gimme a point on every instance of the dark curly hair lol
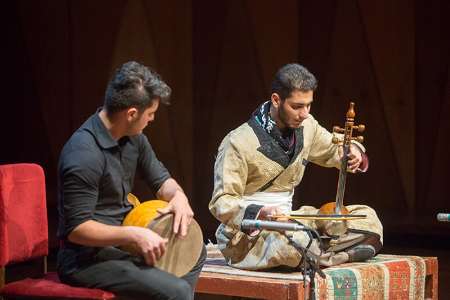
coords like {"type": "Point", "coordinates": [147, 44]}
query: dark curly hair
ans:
{"type": "Point", "coordinates": [293, 77]}
{"type": "Point", "coordinates": [135, 85]}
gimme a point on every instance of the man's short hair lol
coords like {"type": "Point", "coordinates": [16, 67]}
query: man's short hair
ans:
{"type": "Point", "coordinates": [135, 85]}
{"type": "Point", "coordinates": [293, 77]}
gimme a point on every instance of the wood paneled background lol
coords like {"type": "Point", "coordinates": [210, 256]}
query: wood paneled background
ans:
{"type": "Point", "coordinates": [390, 57]}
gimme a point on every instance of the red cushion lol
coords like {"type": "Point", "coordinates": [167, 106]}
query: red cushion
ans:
{"type": "Point", "coordinates": [23, 213]}
{"type": "Point", "coordinates": [51, 287]}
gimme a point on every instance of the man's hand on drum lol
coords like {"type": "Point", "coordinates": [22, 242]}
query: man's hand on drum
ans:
{"type": "Point", "coordinates": [150, 244]}
{"type": "Point", "coordinates": [182, 211]}
{"type": "Point", "coordinates": [178, 205]}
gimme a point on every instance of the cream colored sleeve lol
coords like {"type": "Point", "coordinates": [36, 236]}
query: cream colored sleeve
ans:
{"type": "Point", "coordinates": [323, 151]}
{"type": "Point", "coordinates": [230, 177]}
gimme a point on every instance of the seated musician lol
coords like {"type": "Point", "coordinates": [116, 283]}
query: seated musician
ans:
{"type": "Point", "coordinates": [259, 164]}
{"type": "Point", "coordinates": [96, 172]}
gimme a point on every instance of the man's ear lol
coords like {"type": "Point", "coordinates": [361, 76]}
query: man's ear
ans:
{"type": "Point", "coordinates": [276, 100]}
{"type": "Point", "coordinates": [132, 114]}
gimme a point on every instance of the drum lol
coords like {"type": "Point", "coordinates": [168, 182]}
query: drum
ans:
{"type": "Point", "coordinates": [181, 253]}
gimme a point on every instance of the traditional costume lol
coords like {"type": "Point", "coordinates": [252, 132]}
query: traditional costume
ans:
{"type": "Point", "coordinates": [257, 165]}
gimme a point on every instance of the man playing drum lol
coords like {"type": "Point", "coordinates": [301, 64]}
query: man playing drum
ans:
{"type": "Point", "coordinates": [96, 172]}
{"type": "Point", "coordinates": [259, 164]}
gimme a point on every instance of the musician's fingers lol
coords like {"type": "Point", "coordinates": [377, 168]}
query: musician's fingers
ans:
{"type": "Point", "coordinates": [353, 167]}
{"type": "Point", "coordinates": [190, 217]}
{"type": "Point", "coordinates": [157, 252]}
{"type": "Point", "coordinates": [163, 247]}
{"type": "Point", "coordinates": [355, 153]}
{"type": "Point", "coordinates": [353, 161]}
{"type": "Point", "coordinates": [183, 226]}
{"type": "Point", "coordinates": [148, 261]}
{"type": "Point", "coordinates": [351, 170]}
{"type": "Point", "coordinates": [274, 213]}
{"type": "Point", "coordinates": [149, 258]}
{"type": "Point", "coordinates": [176, 222]}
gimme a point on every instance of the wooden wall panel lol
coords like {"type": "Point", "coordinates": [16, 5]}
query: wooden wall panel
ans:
{"type": "Point", "coordinates": [149, 34]}
{"type": "Point", "coordinates": [240, 54]}
{"type": "Point", "coordinates": [43, 87]}
{"type": "Point", "coordinates": [390, 39]}
{"type": "Point", "coordinates": [220, 57]}
{"type": "Point", "coordinates": [240, 84]}
{"type": "Point", "coordinates": [93, 32]}
{"type": "Point", "coordinates": [46, 45]}
{"type": "Point", "coordinates": [432, 102]}
{"type": "Point", "coordinates": [350, 77]}
{"type": "Point", "coordinates": [437, 198]}
{"type": "Point", "coordinates": [171, 25]}
{"type": "Point", "coordinates": [209, 23]}
{"type": "Point", "coordinates": [317, 24]}
{"type": "Point", "coordinates": [272, 28]}
{"type": "Point", "coordinates": [135, 38]}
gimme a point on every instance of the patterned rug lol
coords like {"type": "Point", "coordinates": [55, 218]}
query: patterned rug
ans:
{"type": "Point", "coordinates": [383, 277]}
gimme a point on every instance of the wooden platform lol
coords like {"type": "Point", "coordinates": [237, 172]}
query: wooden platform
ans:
{"type": "Point", "coordinates": [267, 288]}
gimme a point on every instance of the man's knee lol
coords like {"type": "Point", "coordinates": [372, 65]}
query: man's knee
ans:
{"type": "Point", "coordinates": [180, 290]}
{"type": "Point", "coordinates": [174, 290]}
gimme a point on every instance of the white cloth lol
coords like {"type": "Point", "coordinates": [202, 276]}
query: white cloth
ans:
{"type": "Point", "coordinates": [283, 200]}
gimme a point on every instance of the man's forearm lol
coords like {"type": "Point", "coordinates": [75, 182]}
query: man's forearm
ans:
{"type": "Point", "coordinates": [169, 189]}
{"type": "Point", "coordinates": [94, 234]}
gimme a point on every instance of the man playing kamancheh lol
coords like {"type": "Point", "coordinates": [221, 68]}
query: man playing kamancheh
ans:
{"type": "Point", "coordinates": [259, 164]}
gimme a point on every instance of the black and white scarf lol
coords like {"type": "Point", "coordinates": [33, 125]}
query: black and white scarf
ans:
{"type": "Point", "coordinates": [285, 139]}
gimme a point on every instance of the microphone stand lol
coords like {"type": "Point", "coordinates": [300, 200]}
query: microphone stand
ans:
{"type": "Point", "coordinates": [310, 263]}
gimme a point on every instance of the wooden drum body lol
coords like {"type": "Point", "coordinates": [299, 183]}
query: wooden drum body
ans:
{"type": "Point", "coordinates": [181, 253]}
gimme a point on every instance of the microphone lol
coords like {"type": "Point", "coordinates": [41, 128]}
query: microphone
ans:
{"type": "Point", "coordinates": [270, 225]}
{"type": "Point", "coordinates": [442, 217]}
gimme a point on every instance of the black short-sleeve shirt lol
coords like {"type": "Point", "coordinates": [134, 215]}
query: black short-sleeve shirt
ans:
{"type": "Point", "coordinates": [96, 173]}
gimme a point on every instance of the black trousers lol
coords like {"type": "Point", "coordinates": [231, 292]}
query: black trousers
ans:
{"type": "Point", "coordinates": [130, 278]}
